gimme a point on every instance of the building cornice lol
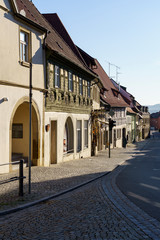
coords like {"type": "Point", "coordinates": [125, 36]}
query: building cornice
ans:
{"type": "Point", "coordinates": [11, 84]}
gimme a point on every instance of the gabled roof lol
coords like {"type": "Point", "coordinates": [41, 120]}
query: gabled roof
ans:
{"type": "Point", "coordinates": [54, 40]}
{"type": "Point", "coordinates": [127, 97]}
{"type": "Point", "coordinates": [57, 24]}
{"type": "Point", "coordinates": [109, 96]}
{"type": "Point", "coordinates": [124, 93]}
{"type": "Point", "coordinates": [90, 61]}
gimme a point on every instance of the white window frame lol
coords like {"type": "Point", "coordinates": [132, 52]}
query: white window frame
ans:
{"type": "Point", "coordinates": [119, 133]}
{"type": "Point", "coordinates": [24, 46]}
{"type": "Point", "coordinates": [85, 133]}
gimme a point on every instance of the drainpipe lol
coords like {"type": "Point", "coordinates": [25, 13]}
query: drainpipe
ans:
{"type": "Point", "coordinates": [30, 120]}
{"type": "Point", "coordinates": [30, 128]}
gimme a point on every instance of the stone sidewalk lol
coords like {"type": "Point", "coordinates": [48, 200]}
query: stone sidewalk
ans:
{"type": "Point", "coordinates": [49, 181]}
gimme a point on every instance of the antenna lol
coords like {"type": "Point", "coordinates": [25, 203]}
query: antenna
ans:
{"type": "Point", "coordinates": [109, 67]}
{"type": "Point", "coordinates": [117, 68]}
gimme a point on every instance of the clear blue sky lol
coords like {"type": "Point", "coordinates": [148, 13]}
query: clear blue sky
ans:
{"type": "Point", "coordinates": [123, 32]}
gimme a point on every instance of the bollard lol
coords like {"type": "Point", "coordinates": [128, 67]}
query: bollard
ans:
{"type": "Point", "coordinates": [21, 177]}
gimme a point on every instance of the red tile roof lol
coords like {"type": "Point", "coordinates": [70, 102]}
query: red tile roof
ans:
{"type": "Point", "coordinates": [109, 96]}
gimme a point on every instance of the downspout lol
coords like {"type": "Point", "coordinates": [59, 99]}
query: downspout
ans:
{"type": "Point", "coordinates": [44, 94]}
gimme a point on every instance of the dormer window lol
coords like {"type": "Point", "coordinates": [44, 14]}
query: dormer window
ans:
{"type": "Point", "coordinates": [24, 46]}
{"type": "Point", "coordinates": [57, 76]}
{"type": "Point", "coordinates": [115, 93]}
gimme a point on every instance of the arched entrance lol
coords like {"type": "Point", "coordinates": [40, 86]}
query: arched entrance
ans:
{"type": "Point", "coordinates": [68, 139]}
{"type": "Point", "coordinates": [20, 134]}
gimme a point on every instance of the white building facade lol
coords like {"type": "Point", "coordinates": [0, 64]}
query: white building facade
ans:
{"type": "Point", "coordinates": [21, 43]}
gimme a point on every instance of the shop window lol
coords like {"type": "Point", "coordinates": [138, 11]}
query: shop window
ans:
{"type": "Point", "coordinates": [68, 138]}
{"type": "Point", "coordinates": [79, 135]}
{"type": "Point", "coordinates": [86, 134]}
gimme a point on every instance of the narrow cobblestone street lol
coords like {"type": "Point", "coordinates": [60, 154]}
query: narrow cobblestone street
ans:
{"type": "Point", "coordinates": [85, 214]}
{"type": "Point", "coordinates": [95, 211]}
{"type": "Point", "coordinates": [47, 181]}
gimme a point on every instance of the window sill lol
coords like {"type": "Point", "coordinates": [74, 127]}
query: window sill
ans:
{"type": "Point", "coordinates": [25, 64]}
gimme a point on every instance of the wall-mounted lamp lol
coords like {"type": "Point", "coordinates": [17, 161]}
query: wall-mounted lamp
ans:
{"type": "Point", "coordinates": [47, 127]}
{"type": "Point", "coordinates": [4, 100]}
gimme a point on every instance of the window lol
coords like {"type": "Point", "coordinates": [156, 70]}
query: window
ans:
{"type": "Point", "coordinates": [89, 89]}
{"type": "Point", "coordinates": [120, 111]}
{"type": "Point", "coordinates": [79, 134]}
{"type": "Point", "coordinates": [24, 46]}
{"type": "Point", "coordinates": [80, 86]}
{"type": "Point", "coordinates": [86, 134]}
{"type": "Point", "coordinates": [116, 111]}
{"type": "Point", "coordinates": [118, 133]}
{"type": "Point", "coordinates": [57, 76]}
{"type": "Point", "coordinates": [17, 130]}
{"type": "Point", "coordinates": [68, 139]}
{"type": "Point", "coordinates": [70, 82]}
{"type": "Point", "coordinates": [115, 93]}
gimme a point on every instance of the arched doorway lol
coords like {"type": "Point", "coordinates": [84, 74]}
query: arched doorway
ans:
{"type": "Point", "coordinates": [20, 134]}
{"type": "Point", "coordinates": [68, 139]}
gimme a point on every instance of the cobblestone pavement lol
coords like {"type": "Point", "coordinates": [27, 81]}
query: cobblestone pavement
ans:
{"type": "Point", "coordinates": [97, 210]}
{"type": "Point", "coordinates": [47, 181]}
{"type": "Point", "coordinates": [86, 213]}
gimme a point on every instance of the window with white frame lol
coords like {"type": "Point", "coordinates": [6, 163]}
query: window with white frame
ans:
{"type": "Point", "coordinates": [120, 111]}
{"type": "Point", "coordinates": [80, 86]}
{"type": "Point", "coordinates": [24, 46]}
{"type": "Point", "coordinates": [86, 133]}
{"type": "Point", "coordinates": [79, 135]}
{"type": "Point", "coordinates": [70, 82]}
{"type": "Point", "coordinates": [118, 133]}
{"type": "Point", "coordinates": [57, 76]}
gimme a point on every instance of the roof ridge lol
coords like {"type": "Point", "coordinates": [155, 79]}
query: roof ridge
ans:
{"type": "Point", "coordinates": [82, 60]}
